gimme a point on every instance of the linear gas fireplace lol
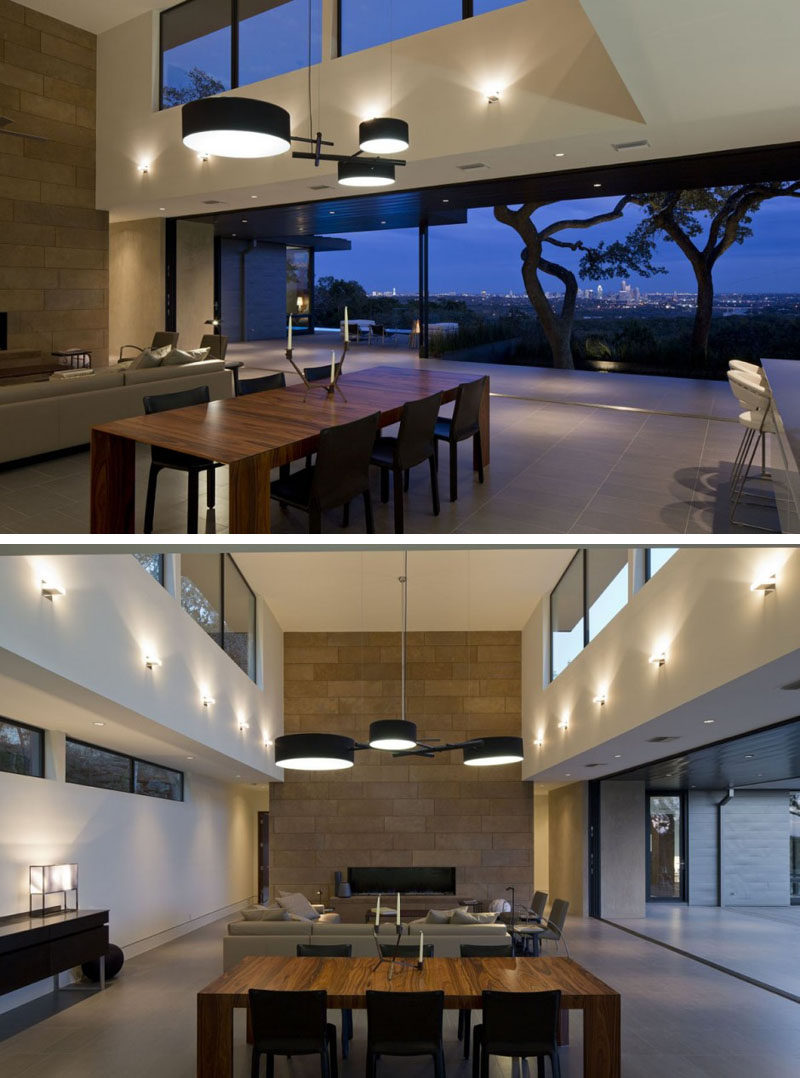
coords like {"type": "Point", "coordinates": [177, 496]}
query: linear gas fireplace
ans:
{"type": "Point", "coordinates": [416, 881]}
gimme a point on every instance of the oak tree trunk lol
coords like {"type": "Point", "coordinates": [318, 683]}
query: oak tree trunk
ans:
{"type": "Point", "coordinates": [702, 319]}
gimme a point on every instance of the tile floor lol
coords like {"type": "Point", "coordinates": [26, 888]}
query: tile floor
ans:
{"type": "Point", "coordinates": [577, 452]}
{"type": "Point", "coordinates": [680, 1019]}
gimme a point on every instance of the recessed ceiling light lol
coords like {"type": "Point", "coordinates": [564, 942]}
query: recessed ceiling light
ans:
{"type": "Point", "coordinates": [567, 774]}
{"type": "Point", "coordinates": [383, 222]}
{"type": "Point", "coordinates": [708, 722]}
{"type": "Point", "coordinates": [560, 154]}
{"type": "Point", "coordinates": [331, 212]}
{"type": "Point", "coordinates": [617, 755]}
{"type": "Point", "coordinates": [190, 757]}
{"type": "Point", "coordinates": [597, 185]}
{"type": "Point", "coordinates": [244, 220]}
{"type": "Point", "coordinates": [237, 776]}
{"type": "Point", "coordinates": [749, 755]}
{"type": "Point", "coordinates": [98, 724]}
{"type": "Point", "coordinates": [233, 235]}
{"type": "Point", "coordinates": [254, 196]}
{"type": "Point", "coordinates": [445, 200]}
{"type": "Point", "coordinates": [163, 209]}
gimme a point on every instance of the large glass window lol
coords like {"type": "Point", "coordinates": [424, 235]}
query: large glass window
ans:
{"type": "Point", "coordinates": [21, 749]}
{"type": "Point", "coordinates": [665, 847]}
{"type": "Point", "coordinates": [89, 765]}
{"type": "Point", "coordinates": [364, 23]}
{"type": "Point", "coordinates": [215, 594]}
{"type": "Point", "coordinates": [567, 617]}
{"type": "Point", "coordinates": [195, 51]}
{"type": "Point", "coordinates": [656, 557]}
{"type": "Point", "coordinates": [794, 848]}
{"type": "Point", "coordinates": [480, 7]}
{"type": "Point", "coordinates": [274, 37]}
{"type": "Point", "coordinates": [606, 586]}
{"type": "Point", "coordinates": [152, 564]}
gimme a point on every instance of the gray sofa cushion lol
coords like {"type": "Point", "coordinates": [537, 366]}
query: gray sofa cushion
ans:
{"type": "Point", "coordinates": [466, 931]}
{"type": "Point", "coordinates": [177, 358]}
{"type": "Point", "coordinates": [321, 928]}
{"type": "Point", "coordinates": [158, 374]}
{"type": "Point", "coordinates": [269, 928]}
{"type": "Point", "coordinates": [261, 914]}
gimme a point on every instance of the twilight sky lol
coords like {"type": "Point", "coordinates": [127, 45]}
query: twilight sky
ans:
{"type": "Point", "coordinates": [484, 254]}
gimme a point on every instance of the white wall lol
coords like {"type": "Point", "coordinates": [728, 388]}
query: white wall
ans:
{"type": "Point", "coordinates": [622, 849]}
{"type": "Point", "coordinates": [194, 300]}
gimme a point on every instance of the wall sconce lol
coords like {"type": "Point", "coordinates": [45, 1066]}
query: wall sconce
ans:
{"type": "Point", "coordinates": [600, 699]}
{"type": "Point", "coordinates": [493, 95]}
{"type": "Point", "coordinates": [268, 743]}
{"type": "Point", "coordinates": [243, 725]}
{"type": "Point", "coordinates": [207, 700]}
{"type": "Point", "coordinates": [50, 590]}
{"type": "Point", "coordinates": [564, 723]}
{"type": "Point", "coordinates": [46, 880]}
{"type": "Point", "coordinates": [658, 658]}
{"type": "Point", "coordinates": [151, 661]}
{"type": "Point", "coordinates": [765, 584]}
{"type": "Point", "coordinates": [202, 158]}
{"type": "Point", "coordinates": [144, 167]}
{"type": "Point", "coordinates": [538, 742]}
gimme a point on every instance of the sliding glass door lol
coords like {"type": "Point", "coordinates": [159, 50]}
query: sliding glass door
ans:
{"type": "Point", "coordinates": [666, 847]}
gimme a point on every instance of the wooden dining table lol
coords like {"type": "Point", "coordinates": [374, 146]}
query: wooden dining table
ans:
{"type": "Point", "coordinates": [254, 434]}
{"type": "Point", "coordinates": [346, 980]}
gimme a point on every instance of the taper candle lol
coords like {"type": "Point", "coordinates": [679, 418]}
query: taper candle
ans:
{"type": "Point", "coordinates": [346, 326]}
{"type": "Point", "coordinates": [421, 938]}
{"type": "Point", "coordinates": [398, 907]}
{"type": "Point", "coordinates": [378, 912]}
{"type": "Point", "coordinates": [289, 337]}
{"type": "Point", "coordinates": [333, 367]}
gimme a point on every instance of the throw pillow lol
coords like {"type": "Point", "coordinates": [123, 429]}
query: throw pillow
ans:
{"type": "Point", "coordinates": [177, 358]}
{"type": "Point", "coordinates": [485, 918]}
{"type": "Point", "coordinates": [460, 918]}
{"type": "Point", "coordinates": [150, 357]}
{"type": "Point", "coordinates": [437, 917]}
{"type": "Point", "coordinates": [260, 914]}
{"type": "Point", "coordinates": [297, 903]}
{"type": "Point", "coordinates": [200, 354]}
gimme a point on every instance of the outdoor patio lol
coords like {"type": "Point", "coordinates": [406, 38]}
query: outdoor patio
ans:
{"type": "Point", "coordinates": [571, 451]}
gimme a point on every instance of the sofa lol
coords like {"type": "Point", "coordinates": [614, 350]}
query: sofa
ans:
{"type": "Point", "coordinates": [45, 417]}
{"type": "Point", "coordinates": [281, 937]}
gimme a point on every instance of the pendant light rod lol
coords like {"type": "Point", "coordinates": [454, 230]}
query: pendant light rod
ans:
{"type": "Point", "coordinates": [404, 637]}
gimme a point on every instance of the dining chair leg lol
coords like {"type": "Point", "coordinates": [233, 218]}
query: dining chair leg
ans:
{"type": "Point", "coordinates": [315, 521]}
{"type": "Point", "coordinates": [270, 1065]}
{"type": "Point", "coordinates": [211, 487]}
{"type": "Point", "coordinates": [255, 1061]}
{"type": "Point", "coordinates": [434, 487]}
{"type": "Point", "coordinates": [476, 441]}
{"type": "Point", "coordinates": [460, 1032]}
{"type": "Point", "coordinates": [325, 1063]}
{"type": "Point", "coordinates": [436, 453]}
{"type": "Point", "coordinates": [438, 1064]}
{"type": "Point", "coordinates": [384, 485]}
{"type": "Point", "coordinates": [368, 512]}
{"type": "Point", "coordinates": [194, 494]}
{"type": "Point", "coordinates": [150, 503]}
{"type": "Point", "coordinates": [333, 1054]}
{"type": "Point", "coordinates": [453, 471]}
{"type": "Point", "coordinates": [397, 487]}
{"type": "Point", "coordinates": [406, 479]}
{"type": "Point", "coordinates": [467, 1030]}
{"type": "Point", "coordinates": [555, 1064]}
{"type": "Point", "coordinates": [346, 515]}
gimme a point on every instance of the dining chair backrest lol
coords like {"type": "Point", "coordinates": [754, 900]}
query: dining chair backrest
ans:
{"type": "Point", "coordinates": [520, 1018]}
{"type": "Point", "coordinates": [744, 367]}
{"type": "Point", "coordinates": [217, 343]}
{"type": "Point", "coordinates": [297, 1018]}
{"type": "Point", "coordinates": [750, 393]}
{"type": "Point", "coordinates": [184, 398]}
{"type": "Point", "coordinates": [406, 950]}
{"type": "Point", "coordinates": [324, 950]}
{"type": "Point", "coordinates": [263, 384]}
{"type": "Point", "coordinates": [486, 950]}
{"type": "Point", "coordinates": [162, 338]}
{"type": "Point", "coordinates": [558, 915]}
{"type": "Point", "coordinates": [415, 437]}
{"type": "Point", "coordinates": [538, 903]}
{"type": "Point", "coordinates": [405, 1016]}
{"type": "Point", "coordinates": [468, 406]}
{"type": "Point", "coordinates": [321, 374]}
{"type": "Point", "coordinates": [343, 457]}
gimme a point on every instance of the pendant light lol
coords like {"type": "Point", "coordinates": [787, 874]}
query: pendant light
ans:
{"type": "Point", "coordinates": [235, 127]}
{"type": "Point", "coordinates": [383, 135]}
{"type": "Point", "coordinates": [492, 751]}
{"type": "Point", "coordinates": [394, 735]}
{"type": "Point", "coordinates": [366, 172]}
{"type": "Point", "coordinates": [314, 752]}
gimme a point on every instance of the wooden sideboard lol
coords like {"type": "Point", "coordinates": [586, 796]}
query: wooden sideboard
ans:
{"type": "Point", "coordinates": [35, 947]}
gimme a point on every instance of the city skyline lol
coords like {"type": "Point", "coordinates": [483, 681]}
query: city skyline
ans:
{"type": "Point", "coordinates": [484, 255]}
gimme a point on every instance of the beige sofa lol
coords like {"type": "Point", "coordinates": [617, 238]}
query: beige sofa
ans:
{"type": "Point", "coordinates": [44, 417]}
{"type": "Point", "coordinates": [281, 937]}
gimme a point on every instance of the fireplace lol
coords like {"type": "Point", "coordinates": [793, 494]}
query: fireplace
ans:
{"type": "Point", "coordinates": [416, 881]}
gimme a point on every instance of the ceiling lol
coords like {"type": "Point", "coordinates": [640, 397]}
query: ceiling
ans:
{"type": "Point", "coordinates": [448, 589]}
{"type": "Point", "coordinates": [768, 758]}
{"type": "Point", "coordinates": [97, 15]}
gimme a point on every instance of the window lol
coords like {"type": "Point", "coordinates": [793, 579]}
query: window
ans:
{"type": "Point", "coordinates": [215, 595]}
{"type": "Point", "coordinates": [364, 23]}
{"type": "Point", "coordinates": [195, 51]}
{"type": "Point", "coordinates": [21, 749]}
{"type": "Point", "coordinates": [606, 586]}
{"type": "Point", "coordinates": [152, 564]}
{"type": "Point", "coordinates": [656, 557]}
{"type": "Point", "coordinates": [274, 37]}
{"type": "Point", "coordinates": [89, 765]}
{"type": "Point", "coordinates": [208, 46]}
{"type": "Point", "coordinates": [480, 7]}
{"type": "Point", "coordinates": [591, 592]}
{"type": "Point", "coordinates": [566, 617]}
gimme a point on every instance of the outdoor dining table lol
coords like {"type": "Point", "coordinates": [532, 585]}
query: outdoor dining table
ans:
{"type": "Point", "coordinates": [254, 434]}
{"type": "Point", "coordinates": [347, 980]}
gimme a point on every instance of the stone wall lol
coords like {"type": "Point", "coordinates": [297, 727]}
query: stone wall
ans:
{"type": "Point", "coordinates": [400, 812]}
{"type": "Point", "coordinates": [53, 242]}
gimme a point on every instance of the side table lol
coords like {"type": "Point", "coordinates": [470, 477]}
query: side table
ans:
{"type": "Point", "coordinates": [75, 357]}
{"type": "Point", "coordinates": [235, 366]}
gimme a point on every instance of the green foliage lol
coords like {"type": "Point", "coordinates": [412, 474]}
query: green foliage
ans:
{"type": "Point", "coordinates": [201, 85]}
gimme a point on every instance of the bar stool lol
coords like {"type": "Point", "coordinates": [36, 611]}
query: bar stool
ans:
{"type": "Point", "coordinates": [757, 419]}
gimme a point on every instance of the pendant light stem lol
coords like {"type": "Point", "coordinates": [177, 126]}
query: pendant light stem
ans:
{"type": "Point", "coordinates": [404, 636]}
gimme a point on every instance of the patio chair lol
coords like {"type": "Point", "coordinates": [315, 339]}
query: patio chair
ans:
{"type": "Point", "coordinates": [161, 338]}
{"type": "Point", "coordinates": [217, 343]}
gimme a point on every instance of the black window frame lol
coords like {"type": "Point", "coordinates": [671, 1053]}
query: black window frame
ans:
{"type": "Point", "coordinates": [8, 721]}
{"type": "Point", "coordinates": [648, 574]}
{"type": "Point", "coordinates": [253, 675]}
{"type": "Point", "coordinates": [132, 761]}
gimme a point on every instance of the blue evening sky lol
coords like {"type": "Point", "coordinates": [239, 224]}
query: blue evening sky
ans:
{"type": "Point", "coordinates": [485, 255]}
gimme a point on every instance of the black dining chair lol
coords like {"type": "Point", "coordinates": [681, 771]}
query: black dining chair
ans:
{"type": "Point", "coordinates": [517, 1024]}
{"type": "Point", "coordinates": [405, 950]}
{"type": "Point", "coordinates": [413, 445]}
{"type": "Point", "coordinates": [332, 950]}
{"type": "Point", "coordinates": [464, 424]}
{"type": "Point", "coordinates": [554, 924]}
{"type": "Point", "coordinates": [181, 462]}
{"type": "Point", "coordinates": [261, 385]}
{"type": "Point", "coordinates": [217, 343]}
{"type": "Point", "coordinates": [321, 374]}
{"type": "Point", "coordinates": [405, 1024]}
{"type": "Point", "coordinates": [477, 950]}
{"type": "Point", "coordinates": [340, 474]}
{"type": "Point", "coordinates": [292, 1024]}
